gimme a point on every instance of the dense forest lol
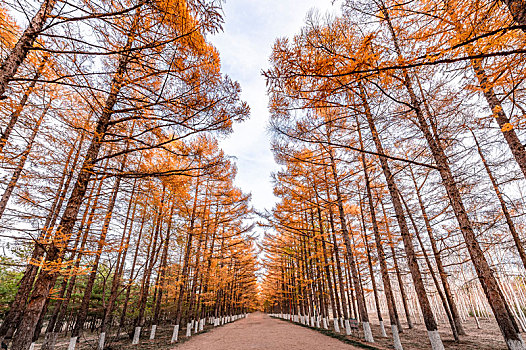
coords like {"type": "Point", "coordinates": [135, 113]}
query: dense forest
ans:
{"type": "Point", "coordinates": [116, 198]}
{"type": "Point", "coordinates": [397, 127]}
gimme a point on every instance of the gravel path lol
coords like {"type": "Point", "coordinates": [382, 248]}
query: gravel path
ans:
{"type": "Point", "coordinates": [260, 332]}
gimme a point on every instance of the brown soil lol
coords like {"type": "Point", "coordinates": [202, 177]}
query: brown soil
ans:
{"type": "Point", "coordinates": [486, 338]}
{"type": "Point", "coordinates": [260, 332]}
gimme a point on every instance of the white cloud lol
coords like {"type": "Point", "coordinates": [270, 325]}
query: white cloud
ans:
{"type": "Point", "coordinates": [250, 29]}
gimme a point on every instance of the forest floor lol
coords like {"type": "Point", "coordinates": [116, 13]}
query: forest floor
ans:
{"type": "Point", "coordinates": [488, 337]}
{"type": "Point", "coordinates": [256, 332]}
{"type": "Point", "coordinates": [261, 332]}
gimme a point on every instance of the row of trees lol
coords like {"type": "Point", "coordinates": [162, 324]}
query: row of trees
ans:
{"type": "Point", "coordinates": [397, 125]}
{"type": "Point", "coordinates": [118, 207]}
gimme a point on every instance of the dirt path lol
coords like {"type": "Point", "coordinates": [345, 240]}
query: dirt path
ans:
{"type": "Point", "coordinates": [260, 332]}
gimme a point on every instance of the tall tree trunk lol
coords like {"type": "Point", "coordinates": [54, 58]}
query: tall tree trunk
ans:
{"type": "Point", "coordinates": [186, 260]}
{"type": "Point", "coordinates": [49, 341]}
{"type": "Point", "coordinates": [391, 306]}
{"type": "Point", "coordinates": [10, 322]}
{"type": "Point", "coordinates": [132, 271]}
{"type": "Point", "coordinates": [425, 306]}
{"type": "Point", "coordinates": [517, 148]}
{"type": "Point", "coordinates": [371, 271]}
{"type": "Point", "coordinates": [195, 279]}
{"type": "Point", "coordinates": [21, 163]}
{"type": "Point", "coordinates": [438, 260]}
{"type": "Point", "coordinates": [504, 207]}
{"type": "Point", "coordinates": [331, 289]}
{"type": "Point", "coordinates": [12, 62]}
{"type": "Point", "coordinates": [121, 258]}
{"type": "Point", "coordinates": [151, 261]}
{"type": "Point", "coordinates": [13, 118]}
{"type": "Point", "coordinates": [518, 12]}
{"type": "Point", "coordinates": [445, 304]}
{"type": "Point", "coordinates": [64, 186]}
{"type": "Point", "coordinates": [398, 275]}
{"type": "Point", "coordinates": [362, 309]}
{"type": "Point", "coordinates": [84, 230]}
{"type": "Point", "coordinates": [209, 258]}
{"type": "Point", "coordinates": [338, 264]}
{"type": "Point", "coordinates": [56, 249]}
{"type": "Point", "coordinates": [83, 310]}
{"type": "Point", "coordinates": [321, 284]}
{"type": "Point", "coordinates": [487, 279]}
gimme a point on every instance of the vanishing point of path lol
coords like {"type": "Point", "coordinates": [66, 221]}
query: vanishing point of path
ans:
{"type": "Point", "coordinates": [261, 332]}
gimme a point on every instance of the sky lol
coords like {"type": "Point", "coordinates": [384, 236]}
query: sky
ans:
{"type": "Point", "coordinates": [250, 30]}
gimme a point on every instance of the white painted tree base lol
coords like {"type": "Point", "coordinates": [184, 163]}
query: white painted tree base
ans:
{"type": "Point", "coordinates": [50, 340]}
{"type": "Point", "coordinates": [367, 332]}
{"type": "Point", "coordinates": [175, 334]}
{"type": "Point", "coordinates": [72, 343]}
{"type": "Point", "coordinates": [136, 336]}
{"type": "Point", "coordinates": [516, 344]}
{"type": "Point", "coordinates": [436, 342]}
{"type": "Point", "coordinates": [189, 329]}
{"type": "Point", "coordinates": [102, 338]}
{"type": "Point", "coordinates": [324, 321]}
{"type": "Point", "coordinates": [396, 338]}
{"type": "Point", "coordinates": [348, 327]}
{"type": "Point", "coordinates": [152, 332]}
{"type": "Point", "coordinates": [382, 329]}
{"type": "Point", "coordinates": [336, 325]}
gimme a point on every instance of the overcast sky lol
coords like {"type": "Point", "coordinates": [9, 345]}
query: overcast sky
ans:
{"type": "Point", "coordinates": [251, 27]}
